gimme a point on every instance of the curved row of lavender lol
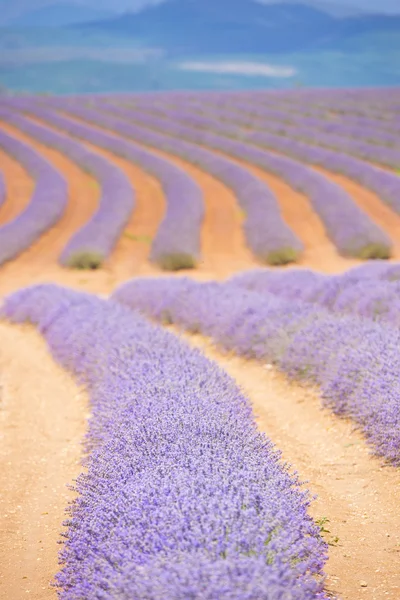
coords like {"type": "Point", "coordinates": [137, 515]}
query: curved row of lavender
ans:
{"type": "Point", "coordinates": [249, 110]}
{"type": "Point", "coordinates": [306, 132]}
{"type": "Point", "coordinates": [370, 134]}
{"type": "Point", "coordinates": [308, 129]}
{"type": "Point", "coordinates": [267, 235]}
{"type": "Point", "coordinates": [380, 103]}
{"type": "Point", "coordinates": [344, 117]}
{"type": "Point", "coordinates": [183, 497]}
{"type": "Point", "coordinates": [368, 131]}
{"type": "Point", "coordinates": [353, 360]}
{"type": "Point", "coordinates": [46, 206]}
{"type": "Point", "coordinates": [295, 112]}
{"type": "Point", "coordinates": [177, 243]}
{"type": "Point", "coordinates": [94, 242]}
{"type": "Point", "coordinates": [373, 135]}
{"type": "Point", "coordinates": [360, 101]}
{"type": "Point", "coordinates": [2, 189]}
{"type": "Point", "coordinates": [386, 185]}
{"type": "Point", "coordinates": [350, 229]}
{"type": "Point", "coordinates": [371, 291]}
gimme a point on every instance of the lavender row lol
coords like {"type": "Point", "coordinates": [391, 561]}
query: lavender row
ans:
{"type": "Point", "coordinates": [371, 291]}
{"type": "Point", "coordinates": [368, 130]}
{"type": "Point", "coordinates": [46, 206]}
{"type": "Point", "coordinates": [177, 243]}
{"type": "Point", "coordinates": [371, 128]}
{"type": "Point", "coordinates": [94, 242]}
{"type": "Point", "coordinates": [353, 360]}
{"type": "Point", "coordinates": [183, 497]}
{"type": "Point", "coordinates": [309, 130]}
{"type": "Point", "coordinates": [267, 235]}
{"type": "Point", "coordinates": [2, 189]}
{"type": "Point", "coordinates": [382, 102]}
{"type": "Point", "coordinates": [389, 157]}
{"type": "Point", "coordinates": [350, 229]}
{"type": "Point", "coordinates": [386, 185]}
{"type": "Point", "coordinates": [369, 133]}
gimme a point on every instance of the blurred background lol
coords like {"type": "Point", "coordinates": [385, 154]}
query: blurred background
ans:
{"type": "Point", "coordinates": [86, 46]}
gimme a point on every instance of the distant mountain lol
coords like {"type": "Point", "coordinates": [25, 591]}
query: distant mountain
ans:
{"type": "Point", "coordinates": [204, 27]}
{"type": "Point", "coordinates": [59, 15]}
{"type": "Point", "coordinates": [195, 44]}
{"type": "Point", "coordinates": [333, 7]}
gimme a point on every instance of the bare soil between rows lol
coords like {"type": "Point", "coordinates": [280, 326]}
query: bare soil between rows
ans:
{"type": "Point", "coordinates": [43, 413]}
{"type": "Point", "coordinates": [357, 495]}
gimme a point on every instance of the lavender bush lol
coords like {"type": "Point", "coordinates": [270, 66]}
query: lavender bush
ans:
{"type": "Point", "coordinates": [177, 243]}
{"type": "Point", "coordinates": [368, 132]}
{"type": "Point", "coordinates": [371, 291]}
{"type": "Point", "coordinates": [2, 189]}
{"type": "Point", "coordinates": [385, 156]}
{"type": "Point", "coordinates": [94, 242]}
{"type": "Point", "coordinates": [350, 229]}
{"type": "Point", "coordinates": [277, 135]}
{"type": "Point", "coordinates": [355, 361]}
{"type": "Point", "coordinates": [45, 207]}
{"type": "Point", "coordinates": [267, 235]}
{"type": "Point", "coordinates": [183, 496]}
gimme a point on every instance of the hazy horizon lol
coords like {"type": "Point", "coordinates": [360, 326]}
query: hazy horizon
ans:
{"type": "Point", "coordinates": [20, 7]}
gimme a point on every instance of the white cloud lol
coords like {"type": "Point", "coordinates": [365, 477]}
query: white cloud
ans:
{"type": "Point", "coordinates": [238, 68]}
{"type": "Point", "coordinates": [24, 56]}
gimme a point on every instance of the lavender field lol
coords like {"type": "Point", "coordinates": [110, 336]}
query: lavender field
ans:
{"type": "Point", "coordinates": [216, 277]}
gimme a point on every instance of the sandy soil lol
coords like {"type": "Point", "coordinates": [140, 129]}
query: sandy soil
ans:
{"type": "Point", "coordinates": [39, 262]}
{"type": "Point", "coordinates": [319, 252]}
{"type": "Point", "coordinates": [357, 495]}
{"type": "Point", "coordinates": [42, 422]}
{"type": "Point", "coordinates": [223, 245]}
{"type": "Point", "coordinates": [376, 209]}
{"type": "Point", "coordinates": [19, 187]}
{"type": "Point", "coordinates": [224, 249]}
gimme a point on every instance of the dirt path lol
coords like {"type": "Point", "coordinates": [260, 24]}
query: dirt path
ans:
{"type": "Point", "coordinates": [297, 212]}
{"type": "Point", "coordinates": [319, 252]}
{"type": "Point", "coordinates": [39, 262]}
{"type": "Point", "coordinates": [19, 188]}
{"type": "Point", "coordinates": [375, 208]}
{"type": "Point", "coordinates": [42, 422]}
{"type": "Point", "coordinates": [358, 496]}
{"type": "Point", "coordinates": [223, 245]}
{"type": "Point", "coordinates": [131, 254]}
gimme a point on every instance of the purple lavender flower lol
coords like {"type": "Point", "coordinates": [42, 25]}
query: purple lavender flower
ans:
{"type": "Point", "coordinates": [351, 230]}
{"type": "Point", "coordinates": [343, 354]}
{"type": "Point", "coordinates": [183, 497]}
{"type": "Point", "coordinates": [177, 243]}
{"type": "Point", "coordinates": [94, 242]}
{"type": "Point", "coordinates": [2, 189]}
{"type": "Point", "coordinates": [46, 205]}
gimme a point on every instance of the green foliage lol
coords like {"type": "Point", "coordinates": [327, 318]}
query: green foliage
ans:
{"type": "Point", "coordinates": [176, 262]}
{"type": "Point", "coordinates": [85, 260]}
{"type": "Point", "coordinates": [321, 524]}
{"type": "Point", "coordinates": [334, 541]}
{"type": "Point", "coordinates": [372, 251]}
{"type": "Point", "coordinates": [283, 256]}
{"type": "Point", "coordinates": [166, 318]}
